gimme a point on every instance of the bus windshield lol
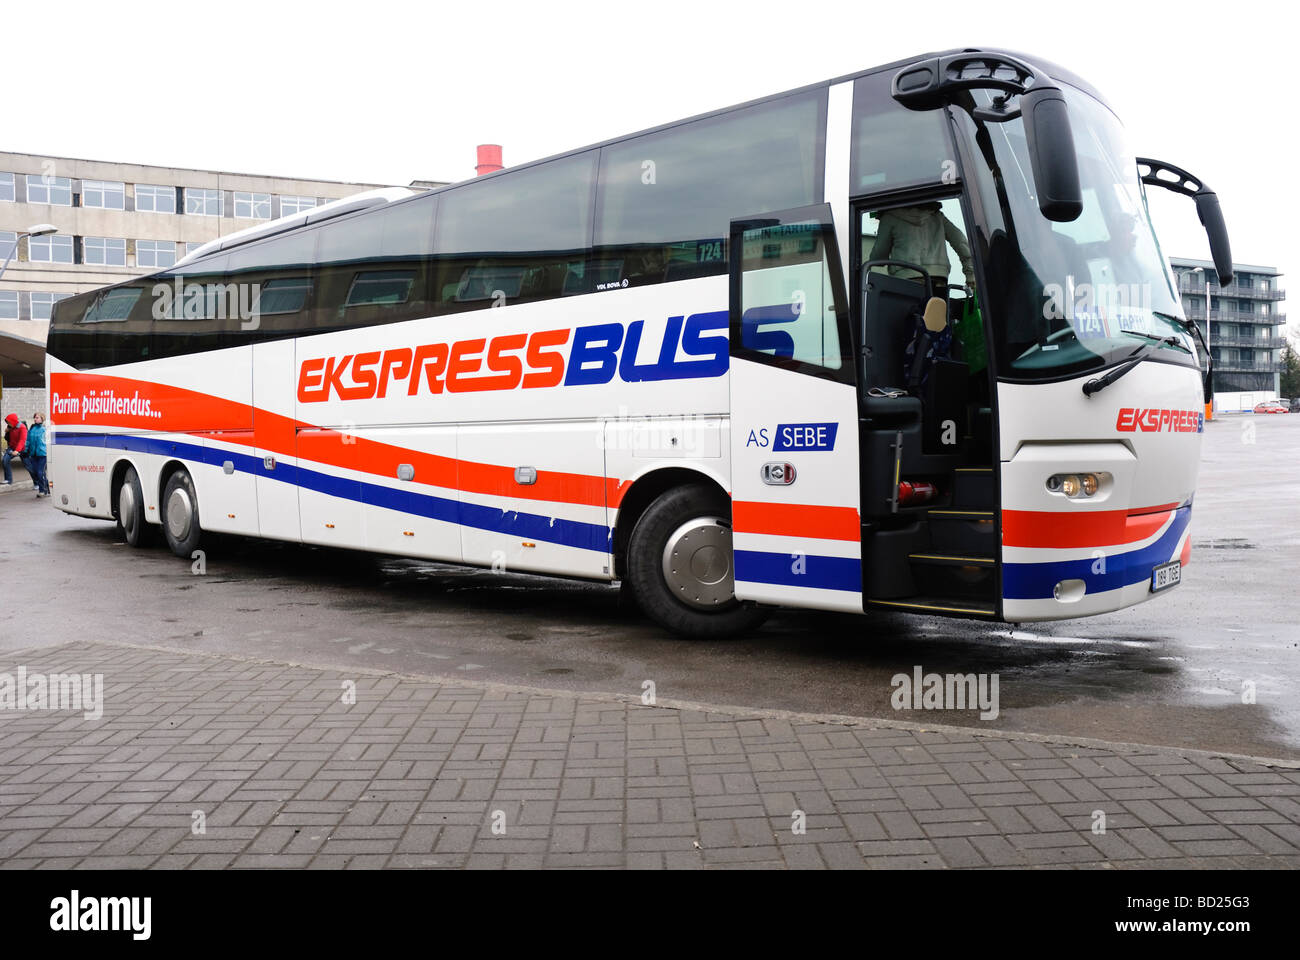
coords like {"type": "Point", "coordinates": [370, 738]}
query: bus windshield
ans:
{"type": "Point", "coordinates": [1074, 297]}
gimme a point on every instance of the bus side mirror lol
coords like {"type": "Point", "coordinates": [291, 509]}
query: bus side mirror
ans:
{"type": "Point", "coordinates": [931, 83]}
{"type": "Point", "coordinates": [1051, 153]}
{"type": "Point", "coordinates": [1161, 174]}
{"type": "Point", "coordinates": [1207, 208]}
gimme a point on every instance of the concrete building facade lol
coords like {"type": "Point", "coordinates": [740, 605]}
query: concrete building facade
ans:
{"type": "Point", "coordinates": [1246, 320]}
{"type": "Point", "coordinates": [116, 221]}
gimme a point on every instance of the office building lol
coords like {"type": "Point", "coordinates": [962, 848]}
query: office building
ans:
{"type": "Point", "coordinates": [1246, 320]}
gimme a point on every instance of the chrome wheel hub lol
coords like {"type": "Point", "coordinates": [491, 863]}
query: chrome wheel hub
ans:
{"type": "Point", "coordinates": [180, 513]}
{"type": "Point", "coordinates": [126, 507]}
{"type": "Point", "coordinates": [697, 563]}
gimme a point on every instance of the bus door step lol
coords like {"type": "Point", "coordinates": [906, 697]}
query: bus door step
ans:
{"type": "Point", "coordinates": [940, 605]}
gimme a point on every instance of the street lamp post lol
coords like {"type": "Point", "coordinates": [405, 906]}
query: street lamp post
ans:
{"type": "Point", "coordinates": [37, 230]}
{"type": "Point", "coordinates": [1209, 405]}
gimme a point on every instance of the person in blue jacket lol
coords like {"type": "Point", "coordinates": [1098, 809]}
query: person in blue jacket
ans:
{"type": "Point", "coordinates": [35, 453]}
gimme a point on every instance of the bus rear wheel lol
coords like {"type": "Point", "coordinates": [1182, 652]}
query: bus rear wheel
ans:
{"type": "Point", "coordinates": [181, 515]}
{"type": "Point", "coordinates": [130, 510]}
{"type": "Point", "coordinates": [679, 565]}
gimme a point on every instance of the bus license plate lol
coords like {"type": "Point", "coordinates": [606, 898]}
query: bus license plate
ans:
{"type": "Point", "coordinates": [1166, 575]}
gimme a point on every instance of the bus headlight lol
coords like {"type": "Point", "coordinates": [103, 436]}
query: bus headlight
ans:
{"type": "Point", "coordinates": [1074, 485]}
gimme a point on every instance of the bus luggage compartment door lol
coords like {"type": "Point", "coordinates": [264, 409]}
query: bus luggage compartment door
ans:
{"type": "Point", "coordinates": [275, 440]}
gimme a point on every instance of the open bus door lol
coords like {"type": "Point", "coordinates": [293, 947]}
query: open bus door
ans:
{"type": "Point", "coordinates": [794, 414]}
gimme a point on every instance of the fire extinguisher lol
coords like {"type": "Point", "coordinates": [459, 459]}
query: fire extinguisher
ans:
{"type": "Point", "coordinates": [914, 493]}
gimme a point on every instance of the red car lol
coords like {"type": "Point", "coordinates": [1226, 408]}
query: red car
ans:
{"type": "Point", "coordinates": [1270, 406]}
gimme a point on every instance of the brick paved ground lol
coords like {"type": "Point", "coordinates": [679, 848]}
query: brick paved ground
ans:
{"type": "Point", "coordinates": [416, 772]}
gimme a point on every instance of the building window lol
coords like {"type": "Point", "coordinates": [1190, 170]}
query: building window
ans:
{"type": "Point", "coordinates": [56, 190]}
{"type": "Point", "coordinates": [154, 199]}
{"type": "Point", "coordinates": [202, 202]}
{"type": "Point", "coordinates": [192, 245]}
{"type": "Point", "coordinates": [104, 251]}
{"type": "Point", "coordinates": [8, 304]}
{"type": "Point", "coordinates": [7, 186]}
{"type": "Point", "coordinates": [292, 205]}
{"type": "Point", "coordinates": [43, 304]}
{"type": "Point", "coordinates": [7, 240]}
{"type": "Point", "coordinates": [253, 206]}
{"type": "Point", "coordinates": [155, 253]}
{"type": "Point", "coordinates": [103, 193]}
{"type": "Point", "coordinates": [49, 249]}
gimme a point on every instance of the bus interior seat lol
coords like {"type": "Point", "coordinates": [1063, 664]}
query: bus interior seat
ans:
{"type": "Point", "coordinates": [640, 264]}
{"type": "Point", "coordinates": [888, 306]}
{"type": "Point", "coordinates": [689, 270]}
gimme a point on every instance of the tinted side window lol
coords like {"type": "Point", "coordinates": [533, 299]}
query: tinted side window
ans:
{"type": "Point", "coordinates": [273, 278]}
{"type": "Point", "coordinates": [116, 325]}
{"type": "Point", "coordinates": [395, 241]}
{"type": "Point", "coordinates": [285, 296]}
{"type": "Point", "coordinates": [519, 237]}
{"type": "Point", "coordinates": [666, 199]}
{"type": "Point", "coordinates": [70, 340]}
{"type": "Point", "coordinates": [113, 305]}
{"type": "Point", "coordinates": [190, 308]}
{"type": "Point", "coordinates": [893, 146]}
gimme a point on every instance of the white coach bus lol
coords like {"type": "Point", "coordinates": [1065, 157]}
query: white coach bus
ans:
{"type": "Point", "coordinates": [901, 340]}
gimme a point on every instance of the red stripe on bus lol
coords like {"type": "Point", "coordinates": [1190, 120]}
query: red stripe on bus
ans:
{"type": "Point", "coordinates": [796, 520]}
{"type": "Point", "coordinates": [1094, 528]}
{"type": "Point", "coordinates": [80, 398]}
{"type": "Point", "coordinates": [178, 410]}
{"type": "Point", "coordinates": [339, 449]}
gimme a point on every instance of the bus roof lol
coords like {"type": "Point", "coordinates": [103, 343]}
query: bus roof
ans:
{"type": "Point", "coordinates": [1053, 70]}
{"type": "Point", "coordinates": [381, 198]}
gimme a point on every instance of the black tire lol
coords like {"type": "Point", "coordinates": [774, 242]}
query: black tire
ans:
{"type": "Point", "coordinates": [129, 510]}
{"type": "Point", "coordinates": [180, 515]}
{"type": "Point", "coordinates": [698, 603]}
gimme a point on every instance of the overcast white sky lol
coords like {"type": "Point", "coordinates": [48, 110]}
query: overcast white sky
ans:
{"type": "Point", "coordinates": [386, 91]}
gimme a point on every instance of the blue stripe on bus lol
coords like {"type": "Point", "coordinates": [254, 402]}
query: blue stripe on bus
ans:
{"type": "Point", "coordinates": [1020, 581]}
{"type": "Point", "coordinates": [1037, 581]}
{"type": "Point", "coordinates": [799, 570]}
{"type": "Point", "coordinates": [526, 526]}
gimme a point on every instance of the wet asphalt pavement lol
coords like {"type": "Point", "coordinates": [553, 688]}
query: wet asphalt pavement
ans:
{"type": "Point", "coordinates": [1169, 672]}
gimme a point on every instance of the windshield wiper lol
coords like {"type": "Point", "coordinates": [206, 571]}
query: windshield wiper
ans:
{"type": "Point", "coordinates": [1170, 341]}
{"type": "Point", "coordinates": [1097, 384]}
{"type": "Point", "coordinates": [1194, 328]}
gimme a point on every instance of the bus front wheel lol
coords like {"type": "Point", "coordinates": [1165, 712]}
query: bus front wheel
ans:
{"type": "Point", "coordinates": [679, 564]}
{"type": "Point", "coordinates": [181, 515]}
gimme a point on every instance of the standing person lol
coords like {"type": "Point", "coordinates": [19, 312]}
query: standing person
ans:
{"type": "Point", "coordinates": [922, 235]}
{"type": "Point", "coordinates": [36, 453]}
{"type": "Point", "coordinates": [15, 443]}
